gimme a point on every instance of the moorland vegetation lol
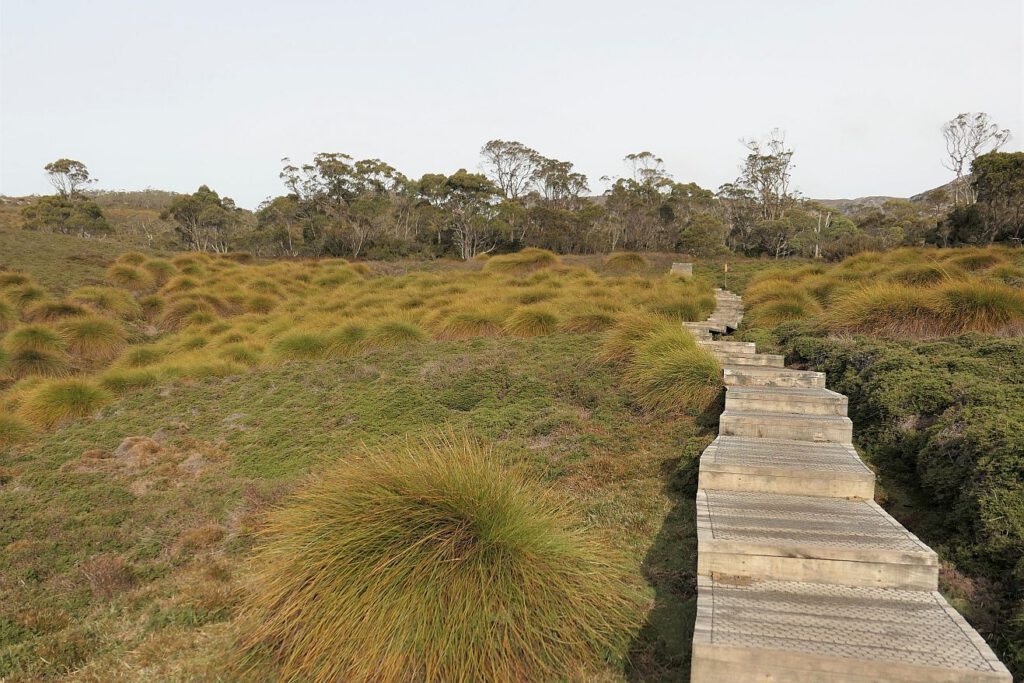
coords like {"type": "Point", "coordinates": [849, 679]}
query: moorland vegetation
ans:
{"type": "Point", "coordinates": [165, 433]}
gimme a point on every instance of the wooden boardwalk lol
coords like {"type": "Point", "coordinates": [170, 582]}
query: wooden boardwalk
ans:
{"type": "Point", "coordinates": [802, 578]}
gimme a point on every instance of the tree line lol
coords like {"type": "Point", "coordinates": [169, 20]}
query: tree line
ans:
{"type": "Point", "coordinates": [336, 205]}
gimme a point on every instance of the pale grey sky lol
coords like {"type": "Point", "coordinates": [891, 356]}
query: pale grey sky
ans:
{"type": "Point", "coordinates": [172, 95]}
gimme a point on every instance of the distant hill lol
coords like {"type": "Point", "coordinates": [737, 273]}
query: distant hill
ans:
{"type": "Point", "coordinates": [936, 199]}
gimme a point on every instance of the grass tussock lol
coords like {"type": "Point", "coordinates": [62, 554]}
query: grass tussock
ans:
{"type": "Point", "coordinates": [13, 430]}
{"type": "Point", "coordinates": [591, 319]}
{"type": "Point", "coordinates": [521, 262]}
{"type": "Point", "coordinates": [57, 401]}
{"type": "Point", "coordinates": [107, 301]}
{"type": "Point", "coordinates": [668, 375]}
{"type": "Point", "coordinates": [395, 334]}
{"type": "Point", "coordinates": [416, 551]}
{"type": "Point", "coordinates": [619, 343]}
{"type": "Point", "coordinates": [531, 321]}
{"type": "Point", "coordinates": [300, 345]}
{"type": "Point", "coordinates": [476, 322]}
{"type": "Point", "coordinates": [34, 337]}
{"type": "Point", "coordinates": [93, 337]}
{"type": "Point", "coordinates": [130, 277]}
{"type": "Point", "coordinates": [908, 293]}
{"type": "Point", "coordinates": [50, 311]}
{"type": "Point", "coordinates": [625, 262]}
{"type": "Point", "coordinates": [980, 307]}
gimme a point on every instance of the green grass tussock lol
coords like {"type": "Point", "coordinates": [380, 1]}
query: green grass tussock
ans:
{"type": "Point", "coordinates": [417, 551]}
{"type": "Point", "coordinates": [124, 380]}
{"type": "Point", "coordinates": [57, 401]}
{"type": "Point", "coordinates": [38, 363]}
{"type": "Point", "coordinates": [13, 430]}
{"type": "Point", "coordinates": [300, 345]}
{"type": "Point", "coordinates": [33, 337]}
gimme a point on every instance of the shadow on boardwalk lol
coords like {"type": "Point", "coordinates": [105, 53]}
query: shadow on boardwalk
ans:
{"type": "Point", "coordinates": [661, 651]}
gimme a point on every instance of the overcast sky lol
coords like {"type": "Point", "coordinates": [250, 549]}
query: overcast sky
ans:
{"type": "Point", "coordinates": [172, 95]}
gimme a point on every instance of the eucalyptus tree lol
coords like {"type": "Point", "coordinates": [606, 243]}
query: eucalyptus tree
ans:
{"type": "Point", "coordinates": [969, 135]}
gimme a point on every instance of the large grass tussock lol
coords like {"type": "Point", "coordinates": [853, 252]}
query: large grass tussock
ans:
{"type": "Point", "coordinates": [434, 564]}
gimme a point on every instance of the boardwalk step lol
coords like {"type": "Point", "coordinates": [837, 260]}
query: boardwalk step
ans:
{"type": "Point", "coordinates": [730, 347]}
{"type": "Point", "coordinates": [754, 359]}
{"type": "Point", "coordinates": [764, 425]}
{"type": "Point", "coordinates": [737, 463]}
{"type": "Point", "coordinates": [752, 375]}
{"type": "Point", "coordinates": [754, 632]}
{"type": "Point", "coordinates": [793, 400]}
{"type": "Point", "coordinates": [805, 538]}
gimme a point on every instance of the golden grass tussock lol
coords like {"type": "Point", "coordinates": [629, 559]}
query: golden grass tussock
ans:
{"type": "Point", "coordinates": [347, 340]}
{"type": "Point", "coordinates": [888, 310]}
{"type": "Point", "coordinates": [977, 259]}
{"type": "Point", "coordinates": [25, 295]}
{"type": "Point", "coordinates": [531, 321]}
{"type": "Point", "coordinates": [132, 258]}
{"type": "Point", "coordinates": [93, 337]}
{"type": "Point", "coordinates": [909, 293]}
{"type": "Point", "coordinates": [619, 342]}
{"type": "Point", "coordinates": [521, 262]}
{"type": "Point", "coordinates": [109, 300]}
{"type": "Point", "coordinates": [260, 303]}
{"type": "Point", "coordinates": [161, 270]}
{"type": "Point", "coordinates": [927, 273]}
{"type": "Point", "coordinates": [186, 311]}
{"type": "Point", "coordinates": [416, 550]}
{"type": "Point", "coordinates": [130, 277]}
{"type": "Point", "coordinates": [589, 319]}
{"type": "Point", "coordinates": [50, 311]}
{"type": "Point", "coordinates": [668, 374]}
{"type": "Point", "coordinates": [392, 334]}
{"type": "Point", "coordinates": [625, 262]}
{"type": "Point", "coordinates": [152, 306]}
{"type": "Point", "coordinates": [992, 308]}
{"type": "Point", "coordinates": [38, 363]}
{"type": "Point", "coordinates": [56, 401]}
{"type": "Point", "coordinates": [479, 321]}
